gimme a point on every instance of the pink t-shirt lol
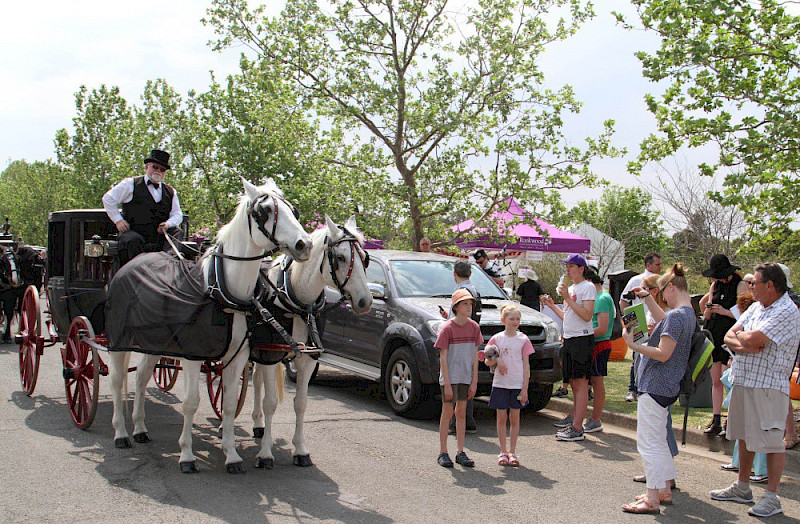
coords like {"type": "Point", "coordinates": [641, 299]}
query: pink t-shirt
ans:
{"type": "Point", "coordinates": [514, 351]}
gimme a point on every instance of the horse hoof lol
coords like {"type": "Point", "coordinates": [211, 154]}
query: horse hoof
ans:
{"type": "Point", "coordinates": [303, 461]}
{"type": "Point", "coordinates": [189, 467]}
{"type": "Point", "coordinates": [235, 468]}
{"type": "Point", "coordinates": [265, 463]}
{"type": "Point", "coordinates": [258, 432]}
{"type": "Point", "coordinates": [122, 443]}
{"type": "Point", "coordinates": [141, 438]}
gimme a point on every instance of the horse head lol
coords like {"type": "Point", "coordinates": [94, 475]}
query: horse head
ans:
{"type": "Point", "coordinates": [275, 220]}
{"type": "Point", "coordinates": [347, 263]}
{"type": "Point", "coordinates": [9, 267]}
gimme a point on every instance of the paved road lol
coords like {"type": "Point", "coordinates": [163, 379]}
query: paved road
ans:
{"type": "Point", "coordinates": [371, 466]}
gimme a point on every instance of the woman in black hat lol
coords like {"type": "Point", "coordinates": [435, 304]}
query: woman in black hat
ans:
{"type": "Point", "coordinates": [726, 286]}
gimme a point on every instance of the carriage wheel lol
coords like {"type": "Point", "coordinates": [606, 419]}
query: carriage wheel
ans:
{"type": "Point", "coordinates": [30, 331]}
{"type": "Point", "coordinates": [166, 376]}
{"type": "Point", "coordinates": [81, 373]}
{"type": "Point", "coordinates": [214, 383]}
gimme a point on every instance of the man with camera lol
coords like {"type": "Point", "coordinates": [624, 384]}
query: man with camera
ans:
{"type": "Point", "coordinates": [652, 266]}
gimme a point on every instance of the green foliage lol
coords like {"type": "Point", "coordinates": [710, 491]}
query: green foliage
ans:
{"type": "Point", "coordinates": [446, 110]}
{"type": "Point", "coordinates": [731, 69]}
{"type": "Point", "coordinates": [28, 192]}
{"type": "Point", "coordinates": [626, 215]}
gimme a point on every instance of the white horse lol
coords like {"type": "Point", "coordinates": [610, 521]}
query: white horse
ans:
{"type": "Point", "coordinates": [263, 221]}
{"type": "Point", "coordinates": [337, 260]}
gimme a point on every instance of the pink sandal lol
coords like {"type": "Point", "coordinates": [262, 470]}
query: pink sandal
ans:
{"type": "Point", "coordinates": [513, 460]}
{"type": "Point", "coordinates": [502, 459]}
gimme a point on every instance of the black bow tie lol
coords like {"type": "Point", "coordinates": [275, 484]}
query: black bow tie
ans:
{"type": "Point", "coordinates": [154, 184]}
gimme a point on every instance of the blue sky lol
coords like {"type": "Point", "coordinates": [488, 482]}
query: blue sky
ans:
{"type": "Point", "coordinates": [48, 49]}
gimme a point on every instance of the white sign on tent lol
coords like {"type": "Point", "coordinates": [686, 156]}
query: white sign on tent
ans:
{"type": "Point", "coordinates": [534, 256]}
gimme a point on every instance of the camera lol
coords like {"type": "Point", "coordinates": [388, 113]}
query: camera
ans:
{"type": "Point", "coordinates": [630, 295]}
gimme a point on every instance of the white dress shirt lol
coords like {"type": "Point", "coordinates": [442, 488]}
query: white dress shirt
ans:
{"type": "Point", "coordinates": [122, 193]}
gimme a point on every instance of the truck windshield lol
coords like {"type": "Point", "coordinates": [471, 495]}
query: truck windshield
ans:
{"type": "Point", "coordinates": [423, 278]}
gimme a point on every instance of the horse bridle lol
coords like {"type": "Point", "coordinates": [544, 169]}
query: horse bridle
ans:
{"type": "Point", "coordinates": [355, 248]}
{"type": "Point", "coordinates": [8, 255]}
{"type": "Point", "coordinates": [260, 215]}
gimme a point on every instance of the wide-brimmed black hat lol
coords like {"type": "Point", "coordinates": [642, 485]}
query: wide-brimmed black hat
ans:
{"type": "Point", "coordinates": [159, 157]}
{"type": "Point", "coordinates": [719, 267]}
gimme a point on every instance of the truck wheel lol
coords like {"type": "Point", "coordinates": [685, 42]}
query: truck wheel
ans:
{"type": "Point", "coordinates": [407, 395]}
{"type": "Point", "coordinates": [539, 396]}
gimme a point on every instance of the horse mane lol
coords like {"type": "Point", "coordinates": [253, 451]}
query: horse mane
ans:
{"type": "Point", "coordinates": [233, 233]}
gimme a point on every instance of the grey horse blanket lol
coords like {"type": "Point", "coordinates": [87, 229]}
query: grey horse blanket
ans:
{"type": "Point", "coordinates": [159, 305]}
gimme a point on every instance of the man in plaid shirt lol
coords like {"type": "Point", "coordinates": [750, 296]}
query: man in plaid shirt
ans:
{"type": "Point", "coordinates": [765, 340]}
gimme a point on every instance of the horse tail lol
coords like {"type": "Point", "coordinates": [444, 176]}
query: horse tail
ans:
{"type": "Point", "coordinates": [280, 382]}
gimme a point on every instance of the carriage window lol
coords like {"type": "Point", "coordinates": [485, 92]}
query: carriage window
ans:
{"type": "Point", "coordinates": [55, 249]}
{"type": "Point", "coordinates": [84, 267]}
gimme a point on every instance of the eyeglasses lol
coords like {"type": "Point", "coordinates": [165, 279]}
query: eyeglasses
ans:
{"type": "Point", "coordinates": [158, 167]}
{"type": "Point", "coordinates": [753, 282]}
{"type": "Point", "coordinates": [661, 291]}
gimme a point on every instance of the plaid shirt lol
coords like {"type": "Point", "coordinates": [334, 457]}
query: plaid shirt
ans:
{"type": "Point", "coordinates": [772, 367]}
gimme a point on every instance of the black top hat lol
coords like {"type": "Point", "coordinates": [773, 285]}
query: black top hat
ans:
{"type": "Point", "coordinates": [719, 267]}
{"type": "Point", "coordinates": [159, 157]}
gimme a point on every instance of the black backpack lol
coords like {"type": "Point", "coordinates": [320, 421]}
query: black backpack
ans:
{"type": "Point", "coordinates": [699, 363]}
{"type": "Point", "coordinates": [476, 311]}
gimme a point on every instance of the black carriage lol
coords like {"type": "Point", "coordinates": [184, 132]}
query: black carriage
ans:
{"type": "Point", "coordinates": [82, 260]}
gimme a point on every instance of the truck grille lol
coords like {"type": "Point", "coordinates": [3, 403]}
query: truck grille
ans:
{"type": "Point", "coordinates": [535, 332]}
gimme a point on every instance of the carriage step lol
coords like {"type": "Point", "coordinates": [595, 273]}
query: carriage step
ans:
{"type": "Point", "coordinates": [17, 339]}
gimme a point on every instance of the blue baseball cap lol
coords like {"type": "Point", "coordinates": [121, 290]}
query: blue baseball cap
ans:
{"type": "Point", "coordinates": [576, 259]}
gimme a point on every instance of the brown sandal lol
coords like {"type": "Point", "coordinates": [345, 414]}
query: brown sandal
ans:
{"type": "Point", "coordinates": [663, 498]}
{"type": "Point", "coordinates": [791, 443]}
{"type": "Point", "coordinates": [641, 507]}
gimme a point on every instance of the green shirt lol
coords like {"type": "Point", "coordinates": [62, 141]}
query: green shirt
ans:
{"type": "Point", "coordinates": [603, 304]}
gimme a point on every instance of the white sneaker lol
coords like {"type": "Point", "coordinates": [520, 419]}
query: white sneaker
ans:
{"type": "Point", "coordinates": [733, 493]}
{"type": "Point", "coordinates": [769, 505]}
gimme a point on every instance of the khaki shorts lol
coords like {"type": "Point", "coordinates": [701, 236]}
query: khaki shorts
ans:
{"type": "Point", "coordinates": [758, 416]}
{"type": "Point", "coordinates": [460, 392]}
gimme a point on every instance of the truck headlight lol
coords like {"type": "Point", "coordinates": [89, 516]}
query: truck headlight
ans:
{"type": "Point", "coordinates": [435, 325]}
{"type": "Point", "coordinates": [552, 332]}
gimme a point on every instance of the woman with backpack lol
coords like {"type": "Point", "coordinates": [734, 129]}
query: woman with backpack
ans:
{"type": "Point", "coordinates": [660, 372]}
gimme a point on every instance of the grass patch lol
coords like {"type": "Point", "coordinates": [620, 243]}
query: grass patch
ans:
{"type": "Point", "coordinates": [617, 387]}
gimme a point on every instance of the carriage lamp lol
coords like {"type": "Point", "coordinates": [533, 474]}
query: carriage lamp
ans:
{"type": "Point", "coordinates": [94, 248]}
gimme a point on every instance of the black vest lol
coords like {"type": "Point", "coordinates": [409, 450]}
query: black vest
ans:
{"type": "Point", "coordinates": [145, 214]}
{"type": "Point", "coordinates": [724, 295]}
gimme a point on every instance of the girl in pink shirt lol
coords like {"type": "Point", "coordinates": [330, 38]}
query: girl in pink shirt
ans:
{"type": "Point", "coordinates": [511, 375]}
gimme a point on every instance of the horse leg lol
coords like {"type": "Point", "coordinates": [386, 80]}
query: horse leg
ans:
{"type": "Point", "coordinates": [8, 310]}
{"type": "Point", "coordinates": [119, 376]}
{"type": "Point", "coordinates": [258, 411]}
{"type": "Point", "coordinates": [305, 366]}
{"type": "Point", "coordinates": [143, 373]}
{"type": "Point", "coordinates": [230, 398]}
{"type": "Point", "coordinates": [191, 399]}
{"type": "Point", "coordinates": [270, 377]}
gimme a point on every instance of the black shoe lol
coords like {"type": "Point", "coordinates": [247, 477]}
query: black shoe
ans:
{"type": "Point", "coordinates": [444, 460]}
{"type": "Point", "coordinates": [464, 460]}
{"type": "Point", "coordinates": [591, 395]}
{"type": "Point", "coordinates": [713, 429]}
{"type": "Point", "coordinates": [560, 392]}
{"type": "Point", "coordinates": [472, 428]}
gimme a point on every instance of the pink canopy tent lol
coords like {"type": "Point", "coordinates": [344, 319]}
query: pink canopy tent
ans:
{"type": "Point", "coordinates": [528, 236]}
